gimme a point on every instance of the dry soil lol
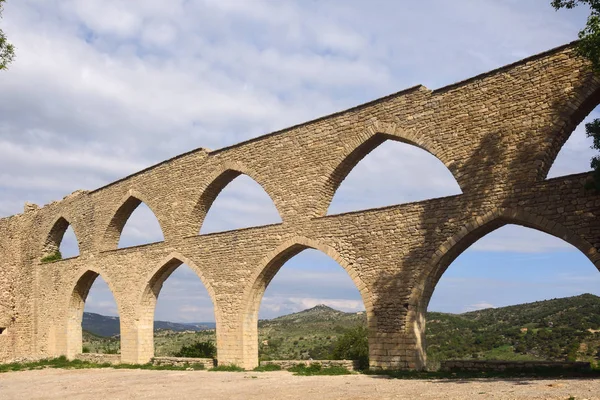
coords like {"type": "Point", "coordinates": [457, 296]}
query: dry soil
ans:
{"type": "Point", "coordinates": [111, 384]}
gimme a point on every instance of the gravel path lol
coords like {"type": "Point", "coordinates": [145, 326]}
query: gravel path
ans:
{"type": "Point", "coordinates": [110, 384]}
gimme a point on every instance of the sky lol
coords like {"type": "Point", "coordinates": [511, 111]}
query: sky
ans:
{"type": "Point", "coordinates": [102, 89]}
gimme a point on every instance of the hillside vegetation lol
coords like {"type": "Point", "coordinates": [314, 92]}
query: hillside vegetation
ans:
{"type": "Point", "coordinates": [559, 329]}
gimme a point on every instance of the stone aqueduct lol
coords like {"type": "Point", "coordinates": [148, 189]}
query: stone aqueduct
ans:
{"type": "Point", "coordinates": [498, 133]}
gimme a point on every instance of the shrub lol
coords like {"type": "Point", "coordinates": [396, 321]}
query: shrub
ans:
{"type": "Point", "coordinates": [56, 256]}
{"type": "Point", "coordinates": [353, 345]}
{"type": "Point", "coordinates": [317, 369]}
{"type": "Point", "coordinates": [198, 350]}
{"type": "Point", "coordinates": [268, 368]}
{"type": "Point", "coordinates": [85, 349]}
{"type": "Point", "coordinates": [228, 368]}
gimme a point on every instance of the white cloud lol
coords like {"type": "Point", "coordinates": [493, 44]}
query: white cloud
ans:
{"type": "Point", "coordinates": [101, 89]}
{"type": "Point", "coordinates": [478, 306]}
{"type": "Point", "coordinates": [513, 238]}
{"type": "Point", "coordinates": [273, 306]}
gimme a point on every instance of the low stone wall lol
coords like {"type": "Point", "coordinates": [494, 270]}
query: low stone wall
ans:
{"type": "Point", "coordinates": [350, 365]}
{"type": "Point", "coordinates": [485, 365]}
{"type": "Point", "coordinates": [100, 358]}
{"type": "Point", "coordinates": [181, 361]}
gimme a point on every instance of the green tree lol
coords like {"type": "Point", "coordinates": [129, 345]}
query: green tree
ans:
{"type": "Point", "coordinates": [589, 47]}
{"type": "Point", "coordinates": [198, 350]}
{"type": "Point", "coordinates": [7, 50]}
{"type": "Point", "coordinates": [353, 345]}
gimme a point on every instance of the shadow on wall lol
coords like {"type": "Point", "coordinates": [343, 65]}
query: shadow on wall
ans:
{"type": "Point", "coordinates": [492, 169]}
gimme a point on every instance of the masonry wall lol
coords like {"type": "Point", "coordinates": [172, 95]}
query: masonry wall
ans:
{"type": "Point", "coordinates": [498, 134]}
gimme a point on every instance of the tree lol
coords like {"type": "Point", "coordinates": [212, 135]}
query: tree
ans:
{"type": "Point", "coordinates": [7, 50]}
{"type": "Point", "coordinates": [589, 47]}
{"type": "Point", "coordinates": [353, 345]}
{"type": "Point", "coordinates": [198, 350]}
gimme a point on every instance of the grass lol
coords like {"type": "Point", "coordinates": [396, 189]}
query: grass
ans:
{"type": "Point", "coordinates": [317, 369]}
{"type": "Point", "coordinates": [304, 370]}
{"type": "Point", "coordinates": [227, 368]}
{"type": "Point", "coordinates": [62, 362]}
{"type": "Point", "coordinates": [56, 256]}
{"type": "Point", "coordinates": [267, 368]}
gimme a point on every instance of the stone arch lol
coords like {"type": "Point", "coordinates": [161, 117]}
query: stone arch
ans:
{"type": "Point", "coordinates": [147, 301]}
{"type": "Point", "coordinates": [266, 271]}
{"type": "Point", "coordinates": [468, 234]}
{"type": "Point", "coordinates": [128, 204]}
{"type": "Point", "coordinates": [571, 114]}
{"type": "Point", "coordinates": [76, 304]}
{"type": "Point", "coordinates": [56, 233]}
{"type": "Point", "coordinates": [375, 134]}
{"type": "Point", "coordinates": [223, 176]}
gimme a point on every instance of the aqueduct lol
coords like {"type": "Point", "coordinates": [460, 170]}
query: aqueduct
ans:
{"type": "Point", "coordinates": [498, 134]}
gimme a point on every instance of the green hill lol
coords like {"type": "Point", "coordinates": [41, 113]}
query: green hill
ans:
{"type": "Point", "coordinates": [307, 334]}
{"type": "Point", "coordinates": [558, 329]}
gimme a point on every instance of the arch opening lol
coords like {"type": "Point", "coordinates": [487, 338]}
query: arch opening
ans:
{"type": "Point", "coordinates": [235, 201]}
{"type": "Point", "coordinates": [61, 242]}
{"type": "Point", "coordinates": [178, 317]}
{"type": "Point", "coordinates": [386, 170]}
{"type": "Point", "coordinates": [308, 307]}
{"type": "Point", "coordinates": [572, 131]}
{"type": "Point", "coordinates": [94, 325]}
{"type": "Point", "coordinates": [575, 155]}
{"type": "Point", "coordinates": [509, 293]}
{"type": "Point", "coordinates": [134, 224]}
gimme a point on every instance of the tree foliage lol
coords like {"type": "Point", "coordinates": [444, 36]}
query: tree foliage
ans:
{"type": "Point", "coordinates": [198, 350]}
{"type": "Point", "coordinates": [589, 47]}
{"type": "Point", "coordinates": [353, 345]}
{"type": "Point", "coordinates": [7, 50]}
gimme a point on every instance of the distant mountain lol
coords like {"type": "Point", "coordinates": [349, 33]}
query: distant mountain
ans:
{"type": "Point", "coordinates": [102, 325]}
{"type": "Point", "coordinates": [558, 329]}
{"type": "Point", "coordinates": [317, 317]}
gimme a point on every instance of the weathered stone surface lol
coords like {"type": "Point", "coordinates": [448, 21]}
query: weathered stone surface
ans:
{"type": "Point", "coordinates": [182, 362]}
{"type": "Point", "coordinates": [498, 133]}
{"type": "Point", "coordinates": [113, 359]}
{"type": "Point", "coordinates": [350, 365]}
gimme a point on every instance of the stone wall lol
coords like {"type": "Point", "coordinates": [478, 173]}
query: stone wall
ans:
{"type": "Point", "coordinates": [95, 358]}
{"type": "Point", "coordinates": [499, 366]}
{"type": "Point", "coordinates": [350, 365]}
{"type": "Point", "coordinates": [498, 134]}
{"type": "Point", "coordinates": [182, 362]}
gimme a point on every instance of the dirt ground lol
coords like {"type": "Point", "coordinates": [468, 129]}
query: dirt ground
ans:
{"type": "Point", "coordinates": [110, 384]}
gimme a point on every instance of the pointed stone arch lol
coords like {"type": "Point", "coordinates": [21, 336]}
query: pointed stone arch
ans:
{"type": "Point", "coordinates": [266, 271]}
{"type": "Point", "coordinates": [80, 288]}
{"type": "Point", "coordinates": [468, 234]}
{"type": "Point", "coordinates": [584, 100]}
{"type": "Point", "coordinates": [483, 225]}
{"type": "Point", "coordinates": [222, 177]}
{"type": "Point", "coordinates": [55, 236]}
{"type": "Point", "coordinates": [375, 134]}
{"type": "Point", "coordinates": [128, 205]}
{"type": "Point", "coordinates": [152, 286]}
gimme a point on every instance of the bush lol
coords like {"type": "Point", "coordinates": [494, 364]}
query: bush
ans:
{"type": "Point", "coordinates": [56, 256]}
{"type": "Point", "coordinates": [198, 350]}
{"type": "Point", "coordinates": [228, 368]}
{"type": "Point", "coordinates": [353, 345]}
{"type": "Point", "coordinates": [85, 349]}
{"type": "Point", "coordinates": [317, 369]}
{"type": "Point", "coordinates": [268, 368]}
{"type": "Point", "coordinates": [196, 366]}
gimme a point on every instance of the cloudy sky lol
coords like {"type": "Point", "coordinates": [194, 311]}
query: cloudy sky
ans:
{"type": "Point", "coordinates": [103, 88]}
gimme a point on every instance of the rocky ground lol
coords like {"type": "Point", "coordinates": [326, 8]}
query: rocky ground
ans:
{"type": "Point", "coordinates": [139, 384]}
